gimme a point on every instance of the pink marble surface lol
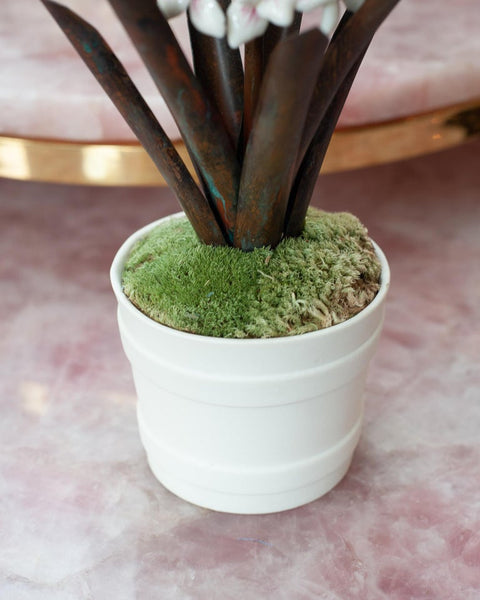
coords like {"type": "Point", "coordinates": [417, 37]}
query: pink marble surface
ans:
{"type": "Point", "coordinates": [82, 517]}
{"type": "Point", "coordinates": [425, 56]}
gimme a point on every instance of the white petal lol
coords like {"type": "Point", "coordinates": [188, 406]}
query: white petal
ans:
{"type": "Point", "coordinates": [244, 23]}
{"type": "Point", "coordinates": [330, 16]}
{"type": "Point", "coordinates": [306, 5]}
{"type": "Point", "coordinates": [278, 12]}
{"type": "Point", "coordinates": [353, 5]}
{"type": "Point", "coordinates": [208, 17]}
{"type": "Point", "coordinates": [172, 8]}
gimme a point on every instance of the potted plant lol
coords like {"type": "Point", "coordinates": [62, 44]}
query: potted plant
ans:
{"type": "Point", "coordinates": [249, 319]}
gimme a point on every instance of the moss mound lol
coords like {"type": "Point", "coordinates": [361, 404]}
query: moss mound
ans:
{"type": "Point", "coordinates": [307, 283]}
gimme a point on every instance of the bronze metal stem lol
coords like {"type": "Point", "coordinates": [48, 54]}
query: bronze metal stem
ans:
{"type": "Point", "coordinates": [199, 122]}
{"type": "Point", "coordinates": [275, 34]}
{"type": "Point", "coordinates": [307, 174]}
{"type": "Point", "coordinates": [270, 157]}
{"type": "Point", "coordinates": [220, 71]}
{"type": "Point", "coordinates": [350, 41]}
{"type": "Point", "coordinates": [253, 82]}
{"type": "Point", "coordinates": [112, 76]}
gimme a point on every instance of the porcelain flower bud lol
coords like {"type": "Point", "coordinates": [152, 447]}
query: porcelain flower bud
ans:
{"type": "Point", "coordinates": [244, 22]}
{"type": "Point", "coordinates": [330, 15]}
{"type": "Point", "coordinates": [278, 12]}
{"type": "Point", "coordinates": [247, 19]}
{"type": "Point", "coordinates": [207, 16]}
{"type": "Point", "coordinates": [330, 12]}
{"type": "Point", "coordinates": [172, 8]}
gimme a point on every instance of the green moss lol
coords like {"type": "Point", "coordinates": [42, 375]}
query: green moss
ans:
{"type": "Point", "coordinates": [323, 277]}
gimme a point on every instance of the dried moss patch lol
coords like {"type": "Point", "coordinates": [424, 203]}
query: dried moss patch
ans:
{"type": "Point", "coordinates": [307, 283]}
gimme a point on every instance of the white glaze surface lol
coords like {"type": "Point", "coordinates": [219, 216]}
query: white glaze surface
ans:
{"type": "Point", "coordinates": [82, 517]}
{"type": "Point", "coordinates": [423, 57]}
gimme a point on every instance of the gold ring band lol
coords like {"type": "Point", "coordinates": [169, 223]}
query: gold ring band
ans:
{"type": "Point", "coordinates": [127, 164]}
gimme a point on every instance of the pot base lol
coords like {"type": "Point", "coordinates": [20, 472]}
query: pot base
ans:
{"type": "Point", "coordinates": [249, 504]}
{"type": "Point", "coordinates": [224, 482]}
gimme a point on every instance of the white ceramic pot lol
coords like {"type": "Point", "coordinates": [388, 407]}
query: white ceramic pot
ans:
{"type": "Point", "coordinates": [248, 426]}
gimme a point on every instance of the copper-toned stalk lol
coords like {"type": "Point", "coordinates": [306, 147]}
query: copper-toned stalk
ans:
{"type": "Point", "coordinates": [199, 122]}
{"type": "Point", "coordinates": [253, 59]}
{"type": "Point", "coordinates": [220, 71]}
{"type": "Point", "coordinates": [270, 157]}
{"type": "Point", "coordinates": [111, 75]}
{"type": "Point", "coordinates": [350, 42]}
{"type": "Point", "coordinates": [275, 34]}
{"type": "Point", "coordinates": [308, 173]}
{"type": "Point", "coordinates": [257, 55]}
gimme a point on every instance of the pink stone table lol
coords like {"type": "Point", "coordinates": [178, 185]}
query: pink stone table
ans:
{"type": "Point", "coordinates": [82, 517]}
{"type": "Point", "coordinates": [424, 57]}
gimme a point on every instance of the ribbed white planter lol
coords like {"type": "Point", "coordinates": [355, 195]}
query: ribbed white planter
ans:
{"type": "Point", "coordinates": [248, 426]}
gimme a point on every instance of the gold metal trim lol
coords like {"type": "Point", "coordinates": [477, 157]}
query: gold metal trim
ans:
{"type": "Point", "coordinates": [127, 164]}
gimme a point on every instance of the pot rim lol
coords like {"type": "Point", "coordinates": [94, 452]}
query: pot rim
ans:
{"type": "Point", "coordinates": [116, 282]}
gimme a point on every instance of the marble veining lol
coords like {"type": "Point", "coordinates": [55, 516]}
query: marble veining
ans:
{"type": "Point", "coordinates": [423, 57]}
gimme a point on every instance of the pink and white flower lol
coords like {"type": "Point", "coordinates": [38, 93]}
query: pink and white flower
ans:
{"type": "Point", "coordinates": [207, 15]}
{"type": "Point", "coordinates": [248, 19]}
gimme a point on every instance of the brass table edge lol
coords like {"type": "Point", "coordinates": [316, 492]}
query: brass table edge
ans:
{"type": "Point", "coordinates": [127, 164]}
